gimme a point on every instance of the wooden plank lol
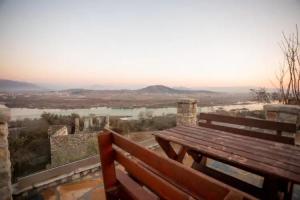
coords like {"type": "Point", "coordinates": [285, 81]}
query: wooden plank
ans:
{"type": "Point", "coordinates": [274, 148]}
{"type": "Point", "coordinates": [264, 124]}
{"type": "Point", "coordinates": [255, 134]}
{"type": "Point", "coordinates": [234, 196]}
{"type": "Point", "coordinates": [237, 137]}
{"type": "Point", "coordinates": [232, 190]}
{"type": "Point", "coordinates": [253, 152]}
{"type": "Point", "coordinates": [160, 186]}
{"type": "Point", "coordinates": [170, 152]}
{"type": "Point", "coordinates": [239, 151]}
{"type": "Point", "coordinates": [111, 184]}
{"type": "Point", "coordinates": [200, 185]}
{"type": "Point", "coordinates": [181, 153]}
{"type": "Point", "coordinates": [168, 149]}
{"type": "Point", "coordinates": [235, 160]}
{"type": "Point", "coordinates": [234, 182]}
{"type": "Point", "coordinates": [133, 189]}
{"type": "Point", "coordinates": [276, 151]}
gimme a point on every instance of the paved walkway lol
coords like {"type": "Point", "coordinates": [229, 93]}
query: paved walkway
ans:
{"type": "Point", "coordinates": [87, 188]}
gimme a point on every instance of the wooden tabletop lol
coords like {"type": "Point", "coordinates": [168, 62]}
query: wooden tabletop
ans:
{"type": "Point", "coordinates": [252, 154]}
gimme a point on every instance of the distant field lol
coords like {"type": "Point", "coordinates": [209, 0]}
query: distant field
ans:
{"type": "Point", "coordinates": [115, 99]}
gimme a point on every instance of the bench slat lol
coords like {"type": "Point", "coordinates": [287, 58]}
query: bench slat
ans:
{"type": "Point", "coordinates": [202, 186]}
{"type": "Point", "coordinates": [132, 188]}
{"type": "Point", "coordinates": [151, 180]}
{"type": "Point", "coordinates": [263, 124]}
{"type": "Point", "coordinates": [265, 136]}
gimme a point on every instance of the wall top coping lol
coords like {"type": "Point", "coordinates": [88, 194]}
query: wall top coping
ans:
{"type": "Point", "coordinates": [292, 109]}
{"type": "Point", "coordinates": [54, 128]}
{"type": "Point", "coordinates": [186, 101]}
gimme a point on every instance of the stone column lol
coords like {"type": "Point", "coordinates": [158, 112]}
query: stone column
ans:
{"type": "Point", "coordinates": [186, 112]}
{"type": "Point", "coordinates": [91, 121]}
{"type": "Point", "coordinates": [5, 172]}
{"type": "Point", "coordinates": [77, 125]}
{"type": "Point", "coordinates": [106, 122]}
{"type": "Point", "coordinates": [86, 123]}
{"type": "Point", "coordinates": [99, 121]}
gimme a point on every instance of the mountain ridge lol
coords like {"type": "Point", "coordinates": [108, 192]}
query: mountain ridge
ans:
{"type": "Point", "coordinates": [12, 85]}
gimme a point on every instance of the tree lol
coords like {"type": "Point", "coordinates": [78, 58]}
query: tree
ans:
{"type": "Point", "coordinates": [261, 95]}
{"type": "Point", "coordinates": [289, 74]}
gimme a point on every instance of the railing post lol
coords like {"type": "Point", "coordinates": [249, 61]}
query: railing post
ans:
{"type": "Point", "coordinates": [107, 158]}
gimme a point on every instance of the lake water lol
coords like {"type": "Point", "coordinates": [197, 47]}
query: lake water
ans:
{"type": "Point", "coordinates": [133, 113]}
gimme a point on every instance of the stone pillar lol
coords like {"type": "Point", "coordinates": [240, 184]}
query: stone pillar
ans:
{"type": "Point", "coordinates": [186, 112]}
{"type": "Point", "coordinates": [284, 113]}
{"type": "Point", "coordinates": [86, 123]}
{"type": "Point", "coordinates": [106, 122]}
{"type": "Point", "coordinates": [77, 125]}
{"type": "Point", "coordinates": [5, 172]}
{"type": "Point", "coordinates": [91, 122]}
{"type": "Point", "coordinates": [99, 121]}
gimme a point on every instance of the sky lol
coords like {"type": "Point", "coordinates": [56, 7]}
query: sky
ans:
{"type": "Point", "coordinates": [135, 43]}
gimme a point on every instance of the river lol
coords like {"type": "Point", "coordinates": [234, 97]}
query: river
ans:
{"type": "Point", "coordinates": [133, 113]}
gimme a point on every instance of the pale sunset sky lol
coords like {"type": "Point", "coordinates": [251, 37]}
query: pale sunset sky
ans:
{"type": "Point", "coordinates": [132, 43]}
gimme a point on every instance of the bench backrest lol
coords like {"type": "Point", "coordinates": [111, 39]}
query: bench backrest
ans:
{"type": "Point", "coordinates": [164, 178]}
{"type": "Point", "coordinates": [277, 127]}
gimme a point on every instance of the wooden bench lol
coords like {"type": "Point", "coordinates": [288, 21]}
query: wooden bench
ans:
{"type": "Point", "coordinates": [146, 175]}
{"type": "Point", "coordinates": [277, 127]}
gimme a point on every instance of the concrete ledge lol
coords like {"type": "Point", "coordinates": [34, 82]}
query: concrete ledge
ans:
{"type": "Point", "coordinates": [53, 175]}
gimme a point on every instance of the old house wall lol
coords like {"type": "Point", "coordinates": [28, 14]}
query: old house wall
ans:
{"type": "Point", "coordinates": [69, 148]}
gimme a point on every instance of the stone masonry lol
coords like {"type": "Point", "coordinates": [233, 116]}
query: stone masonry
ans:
{"type": "Point", "coordinates": [284, 113]}
{"type": "Point", "coordinates": [57, 130]}
{"type": "Point", "coordinates": [77, 125]}
{"type": "Point", "coordinates": [86, 123]}
{"type": "Point", "coordinates": [69, 148]}
{"type": "Point", "coordinates": [186, 112]}
{"type": "Point", "coordinates": [5, 171]}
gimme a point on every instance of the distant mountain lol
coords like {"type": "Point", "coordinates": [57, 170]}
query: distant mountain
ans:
{"type": "Point", "coordinates": [242, 89]}
{"type": "Point", "coordinates": [158, 89]}
{"type": "Point", "coordinates": [13, 86]}
{"type": "Point", "coordinates": [164, 89]}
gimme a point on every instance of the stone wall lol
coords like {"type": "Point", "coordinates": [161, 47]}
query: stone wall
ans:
{"type": "Point", "coordinates": [186, 112]}
{"type": "Point", "coordinates": [5, 170]}
{"type": "Point", "coordinates": [69, 148]}
{"type": "Point", "coordinates": [284, 113]}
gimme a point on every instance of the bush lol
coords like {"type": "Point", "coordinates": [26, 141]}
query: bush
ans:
{"type": "Point", "coordinates": [143, 124]}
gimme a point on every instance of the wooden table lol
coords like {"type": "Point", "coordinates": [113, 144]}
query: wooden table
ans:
{"type": "Point", "coordinates": [278, 163]}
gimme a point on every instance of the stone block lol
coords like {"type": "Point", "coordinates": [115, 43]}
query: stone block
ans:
{"type": "Point", "coordinates": [272, 116]}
